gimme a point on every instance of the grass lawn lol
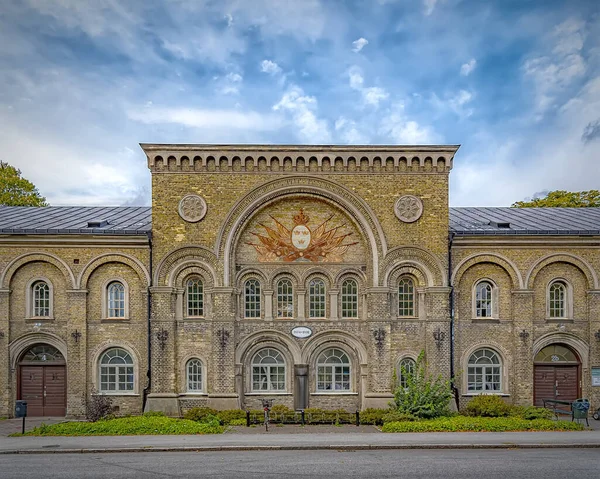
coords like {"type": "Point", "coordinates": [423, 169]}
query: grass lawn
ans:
{"type": "Point", "coordinates": [126, 426]}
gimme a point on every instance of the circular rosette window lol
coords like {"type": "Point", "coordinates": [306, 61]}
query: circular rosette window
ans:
{"type": "Point", "coordinates": [192, 208]}
{"type": "Point", "coordinates": [408, 208]}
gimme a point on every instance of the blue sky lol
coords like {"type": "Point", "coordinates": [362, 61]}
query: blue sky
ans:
{"type": "Point", "coordinates": [515, 82]}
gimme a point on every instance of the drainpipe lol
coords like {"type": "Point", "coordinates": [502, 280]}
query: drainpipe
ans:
{"type": "Point", "coordinates": [149, 339]}
{"type": "Point", "coordinates": [451, 304]}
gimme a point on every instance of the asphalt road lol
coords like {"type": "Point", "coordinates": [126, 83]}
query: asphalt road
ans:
{"type": "Point", "coordinates": [442, 463]}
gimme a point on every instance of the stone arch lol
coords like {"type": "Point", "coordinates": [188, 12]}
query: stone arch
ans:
{"type": "Point", "coordinates": [364, 218]}
{"type": "Point", "coordinates": [333, 338]}
{"type": "Point", "coordinates": [189, 268]}
{"type": "Point", "coordinates": [246, 273]}
{"type": "Point", "coordinates": [430, 265]}
{"type": "Point", "coordinates": [275, 275]}
{"type": "Point", "coordinates": [316, 272]}
{"type": "Point", "coordinates": [267, 336]}
{"type": "Point", "coordinates": [585, 267]}
{"type": "Point", "coordinates": [505, 358]}
{"type": "Point", "coordinates": [409, 267]}
{"type": "Point", "coordinates": [571, 340]}
{"type": "Point", "coordinates": [488, 257]}
{"type": "Point", "coordinates": [23, 259]}
{"type": "Point", "coordinates": [17, 347]}
{"type": "Point", "coordinates": [130, 261]}
{"type": "Point", "coordinates": [164, 270]}
{"type": "Point", "coordinates": [97, 352]}
{"type": "Point", "coordinates": [350, 272]}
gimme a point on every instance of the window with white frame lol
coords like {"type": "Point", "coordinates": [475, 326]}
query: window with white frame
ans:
{"type": "Point", "coordinates": [285, 299]}
{"type": "Point", "coordinates": [484, 371]}
{"type": "Point", "coordinates": [116, 372]}
{"type": "Point", "coordinates": [193, 376]}
{"type": "Point", "coordinates": [483, 299]}
{"type": "Point", "coordinates": [557, 298]}
{"type": "Point", "coordinates": [116, 300]}
{"type": "Point", "coordinates": [195, 297]}
{"type": "Point", "coordinates": [40, 296]}
{"type": "Point", "coordinates": [349, 299]}
{"type": "Point", "coordinates": [406, 367]}
{"type": "Point", "coordinates": [406, 297]}
{"type": "Point", "coordinates": [252, 299]}
{"type": "Point", "coordinates": [316, 298]}
{"type": "Point", "coordinates": [333, 371]}
{"type": "Point", "coordinates": [268, 371]}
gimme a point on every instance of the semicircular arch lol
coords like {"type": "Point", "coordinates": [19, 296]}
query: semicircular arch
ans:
{"type": "Point", "coordinates": [18, 346]}
{"type": "Point", "coordinates": [123, 258]}
{"type": "Point", "coordinates": [511, 268]}
{"type": "Point", "coordinates": [426, 262]}
{"type": "Point", "coordinates": [23, 259]}
{"type": "Point", "coordinates": [579, 345]}
{"type": "Point", "coordinates": [267, 336]}
{"type": "Point", "coordinates": [163, 275]}
{"type": "Point", "coordinates": [333, 337]}
{"type": "Point", "coordinates": [585, 267]}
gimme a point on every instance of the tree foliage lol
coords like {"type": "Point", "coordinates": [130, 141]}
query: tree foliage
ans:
{"type": "Point", "coordinates": [563, 199]}
{"type": "Point", "coordinates": [16, 190]}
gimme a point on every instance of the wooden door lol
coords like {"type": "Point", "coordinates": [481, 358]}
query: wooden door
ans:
{"type": "Point", "coordinates": [44, 389]}
{"type": "Point", "coordinates": [555, 382]}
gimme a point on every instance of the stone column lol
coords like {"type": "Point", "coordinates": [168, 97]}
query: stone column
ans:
{"type": "Point", "coordinates": [179, 307]}
{"type": "Point", "coordinates": [521, 384]}
{"type": "Point", "coordinates": [301, 304]}
{"type": "Point", "coordinates": [268, 305]}
{"type": "Point", "coordinates": [77, 358]}
{"type": "Point", "coordinates": [333, 304]}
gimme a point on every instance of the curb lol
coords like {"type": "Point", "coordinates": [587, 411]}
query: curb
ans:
{"type": "Point", "coordinates": [333, 447]}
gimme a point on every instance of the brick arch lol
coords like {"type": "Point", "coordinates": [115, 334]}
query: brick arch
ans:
{"type": "Point", "coordinates": [334, 338]}
{"type": "Point", "coordinates": [190, 268]}
{"type": "Point", "coordinates": [316, 272]}
{"type": "Point", "coordinates": [413, 268]}
{"type": "Point", "coordinates": [275, 275]}
{"type": "Point", "coordinates": [511, 268]}
{"type": "Point", "coordinates": [574, 342]}
{"type": "Point", "coordinates": [580, 263]}
{"type": "Point", "coordinates": [96, 262]}
{"type": "Point", "coordinates": [21, 344]}
{"type": "Point", "coordinates": [270, 336]}
{"type": "Point", "coordinates": [429, 265]}
{"type": "Point", "coordinates": [174, 258]}
{"type": "Point", "coordinates": [19, 261]}
{"type": "Point", "coordinates": [353, 206]}
{"type": "Point", "coordinates": [348, 272]}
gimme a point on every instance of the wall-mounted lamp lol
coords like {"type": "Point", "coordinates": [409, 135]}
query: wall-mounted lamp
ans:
{"type": "Point", "coordinates": [524, 335]}
{"type": "Point", "coordinates": [439, 337]}
{"type": "Point", "coordinates": [76, 335]}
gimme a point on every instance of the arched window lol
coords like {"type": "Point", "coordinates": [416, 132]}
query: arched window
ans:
{"type": "Point", "coordinates": [349, 299]}
{"type": "Point", "coordinates": [483, 299]}
{"type": "Point", "coordinates": [405, 367]}
{"type": "Point", "coordinates": [333, 371]}
{"type": "Point", "coordinates": [268, 371]}
{"type": "Point", "coordinates": [40, 295]}
{"type": "Point", "coordinates": [252, 299]}
{"type": "Point", "coordinates": [316, 298]}
{"type": "Point", "coordinates": [406, 297]}
{"type": "Point", "coordinates": [116, 300]}
{"type": "Point", "coordinates": [484, 371]}
{"type": "Point", "coordinates": [557, 299]}
{"type": "Point", "coordinates": [116, 371]}
{"type": "Point", "coordinates": [285, 299]}
{"type": "Point", "coordinates": [195, 297]}
{"type": "Point", "coordinates": [193, 375]}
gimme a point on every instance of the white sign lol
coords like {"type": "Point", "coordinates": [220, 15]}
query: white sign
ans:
{"type": "Point", "coordinates": [595, 376]}
{"type": "Point", "coordinates": [301, 332]}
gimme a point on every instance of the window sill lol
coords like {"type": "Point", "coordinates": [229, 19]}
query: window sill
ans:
{"type": "Point", "coordinates": [487, 393]}
{"type": "Point", "coordinates": [407, 317]}
{"type": "Point", "coordinates": [334, 393]}
{"type": "Point", "coordinates": [114, 320]}
{"type": "Point", "coordinates": [559, 320]}
{"type": "Point", "coordinates": [111, 394]}
{"type": "Point", "coordinates": [485, 320]}
{"type": "Point", "coordinates": [193, 395]}
{"type": "Point", "coordinates": [268, 393]}
{"type": "Point", "coordinates": [40, 318]}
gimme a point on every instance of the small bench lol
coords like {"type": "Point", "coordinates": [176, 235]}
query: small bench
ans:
{"type": "Point", "coordinates": [577, 409]}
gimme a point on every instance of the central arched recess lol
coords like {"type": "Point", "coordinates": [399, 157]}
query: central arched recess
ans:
{"type": "Point", "coordinates": [557, 374]}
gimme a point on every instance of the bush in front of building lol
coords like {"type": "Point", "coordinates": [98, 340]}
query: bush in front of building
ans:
{"type": "Point", "coordinates": [480, 424]}
{"type": "Point", "coordinates": [99, 406]}
{"type": "Point", "coordinates": [422, 395]}
{"type": "Point", "coordinates": [487, 405]}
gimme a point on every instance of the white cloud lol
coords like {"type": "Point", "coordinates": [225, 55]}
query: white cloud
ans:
{"type": "Point", "coordinates": [303, 108]}
{"type": "Point", "coordinates": [370, 95]}
{"type": "Point", "coordinates": [402, 130]}
{"type": "Point", "coordinates": [467, 68]}
{"type": "Point", "coordinates": [373, 95]}
{"type": "Point", "coordinates": [230, 84]}
{"type": "Point", "coordinates": [358, 45]}
{"type": "Point", "coordinates": [349, 132]}
{"type": "Point", "coordinates": [229, 19]}
{"type": "Point", "coordinates": [270, 67]}
{"type": "Point", "coordinates": [429, 6]}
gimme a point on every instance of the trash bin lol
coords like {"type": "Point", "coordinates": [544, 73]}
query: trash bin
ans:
{"type": "Point", "coordinates": [20, 408]}
{"type": "Point", "coordinates": [580, 408]}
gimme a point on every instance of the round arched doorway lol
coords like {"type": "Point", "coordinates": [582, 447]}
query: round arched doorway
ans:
{"type": "Point", "coordinates": [557, 374]}
{"type": "Point", "coordinates": [42, 381]}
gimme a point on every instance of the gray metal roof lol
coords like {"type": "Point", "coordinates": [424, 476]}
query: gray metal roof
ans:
{"type": "Point", "coordinates": [132, 220]}
{"type": "Point", "coordinates": [525, 221]}
{"type": "Point", "coordinates": [114, 220]}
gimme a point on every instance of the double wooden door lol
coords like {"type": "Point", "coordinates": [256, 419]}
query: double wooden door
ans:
{"type": "Point", "coordinates": [44, 389]}
{"type": "Point", "coordinates": [555, 382]}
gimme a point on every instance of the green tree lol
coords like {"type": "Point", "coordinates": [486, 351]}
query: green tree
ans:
{"type": "Point", "coordinates": [16, 190]}
{"type": "Point", "coordinates": [563, 199]}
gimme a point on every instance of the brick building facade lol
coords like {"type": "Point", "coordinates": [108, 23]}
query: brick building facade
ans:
{"type": "Point", "coordinates": [305, 274]}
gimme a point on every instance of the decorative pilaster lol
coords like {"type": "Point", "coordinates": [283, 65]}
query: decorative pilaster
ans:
{"type": "Point", "coordinates": [77, 358]}
{"type": "Point", "coordinates": [5, 386]}
{"type": "Point", "coordinates": [333, 304]}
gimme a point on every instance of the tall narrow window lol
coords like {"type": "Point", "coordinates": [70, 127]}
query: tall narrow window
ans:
{"type": "Point", "coordinates": [333, 371]}
{"type": "Point", "coordinates": [195, 297]}
{"type": "Point", "coordinates": [349, 299]}
{"type": "Point", "coordinates": [116, 300]}
{"type": "Point", "coordinates": [483, 299]}
{"type": "Point", "coordinates": [316, 298]}
{"type": "Point", "coordinates": [41, 299]}
{"type": "Point", "coordinates": [285, 299]}
{"type": "Point", "coordinates": [558, 299]}
{"type": "Point", "coordinates": [252, 299]}
{"type": "Point", "coordinates": [405, 369]}
{"type": "Point", "coordinates": [406, 297]}
{"type": "Point", "coordinates": [116, 371]}
{"type": "Point", "coordinates": [193, 371]}
{"type": "Point", "coordinates": [483, 371]}
{"type": "Point", "coordinates": [268, 371]}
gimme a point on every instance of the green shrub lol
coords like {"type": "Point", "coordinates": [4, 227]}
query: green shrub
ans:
{"type": "Point", "coordinates": [325, 416]}
{"type": "Point", "coordinates": [480, 424]}
{"type": "Point", "coordinates": [395, 416]}
{"type": "Point", "coordinates": [237, 422]}
{"type": "Point", "coordinates": [533, 412]}
{"type": "Point", "coordinates": [230, 415]}
{"type": "Point", "coordinates": [424, 396]}
{"type": "Point", "coordinates": [153, 414]}
{"type": "Point", "coordinates": [199, 413]}
{"type": "Point", "coordinates": [99, 406]}
{"type": "Point", "coordinates": [373, 416]}
{"type": "Point", "coordinates": [487, 405]}
{"type": "Point", "coordinates": [128, 426]}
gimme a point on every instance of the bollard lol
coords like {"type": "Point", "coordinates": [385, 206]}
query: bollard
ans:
{"type": "Point", "coordinates": [357, 418]}
{"type": "Point", "coordinates": [247, 418]}
{"type": "Point", "coordinates": [302, 417]}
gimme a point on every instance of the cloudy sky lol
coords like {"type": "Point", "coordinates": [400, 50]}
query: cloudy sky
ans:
{"type": "Point", "coordinates": [515, 82]}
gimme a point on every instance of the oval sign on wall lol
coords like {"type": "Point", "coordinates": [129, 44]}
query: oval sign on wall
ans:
{"type": "Point", "coordinates": [301, 332]}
